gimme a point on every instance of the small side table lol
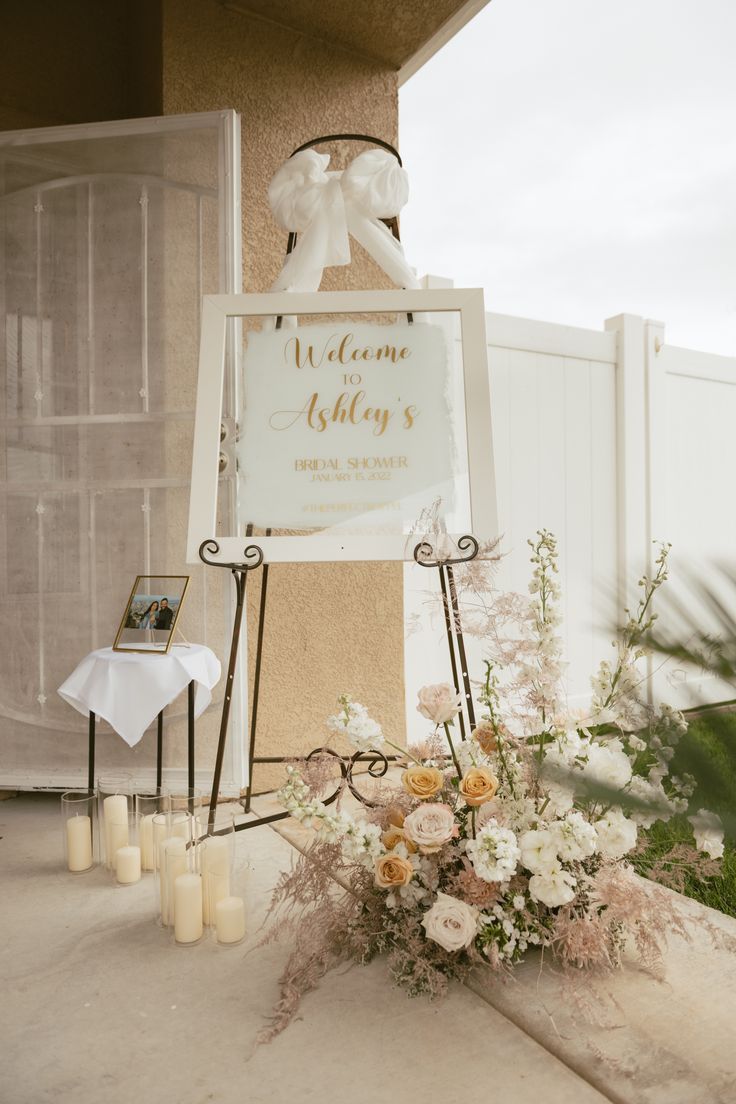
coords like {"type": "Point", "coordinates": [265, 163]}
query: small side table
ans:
{"type": "Point", "coordinates": [131, 689]}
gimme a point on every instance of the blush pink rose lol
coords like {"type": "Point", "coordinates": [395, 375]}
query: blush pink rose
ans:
{"type": "Point", "coordinates": [439, 703]}
{"type": "Point", "coordinates": [451, 923]}
{"type": "Point", "coordinates": [431, 826]}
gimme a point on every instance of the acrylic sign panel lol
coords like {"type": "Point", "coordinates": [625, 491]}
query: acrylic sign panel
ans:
{"type": "Point", "coordinates": [390, 386]}
{"type": "Point", "coordinates": [344, 421]}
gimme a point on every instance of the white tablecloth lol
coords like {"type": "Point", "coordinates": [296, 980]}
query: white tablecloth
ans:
{"type": "Point", "coordinates": [129, 689]}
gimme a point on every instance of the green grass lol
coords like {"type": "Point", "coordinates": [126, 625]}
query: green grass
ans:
{"type": "Point", "coordinates": [707, 751]}
{"type": "Point", "coordinates": [664, 847]}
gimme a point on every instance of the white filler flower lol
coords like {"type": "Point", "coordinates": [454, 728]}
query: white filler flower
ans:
{"type": "Point", "coordinates": [451, 923]}
{"type": "Point", "coordinates": [608, 764]}
{"type": "Point", "coordinates": [554, 887]}
{"type": "Point", "coordinates": [574, 837]}
{"type": "Point", "coordinates": [538, 850]}
{"type": "Point", "coordinates": [708, 832]}
{"type": "Point", "coordinates": [494, 852]}
{"type": "Point", "coordinates": [616, 834]}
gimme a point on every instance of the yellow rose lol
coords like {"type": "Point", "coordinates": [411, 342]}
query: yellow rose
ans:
{"type": "Point", "coordinates": [485, 737]}
{"type": "Point", "coordinates": [392, 870]}
{"type": "Point", "coordinates": [478, 786]}
{"type": "Point", "coordinates": [422, 782]}
{"type": "Point", "coordinates": [393, 836]}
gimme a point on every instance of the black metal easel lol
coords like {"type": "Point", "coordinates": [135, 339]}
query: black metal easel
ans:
{"type": "Point", "coordinates": [377, 763]}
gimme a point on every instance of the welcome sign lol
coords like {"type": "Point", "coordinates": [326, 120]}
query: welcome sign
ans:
{"type": "Point", "coordinates": [342, 420]}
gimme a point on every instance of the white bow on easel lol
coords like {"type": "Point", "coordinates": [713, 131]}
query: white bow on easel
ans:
{"type": "Point", "coordinates": [325, 208]}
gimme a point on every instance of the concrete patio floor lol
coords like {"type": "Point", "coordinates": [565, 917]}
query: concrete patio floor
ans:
{"type": "Point", "coordinates": [99, 1004]}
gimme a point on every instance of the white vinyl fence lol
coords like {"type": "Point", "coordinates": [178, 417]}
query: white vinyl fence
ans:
{"type": "Point", "coordinates": [612, 440]}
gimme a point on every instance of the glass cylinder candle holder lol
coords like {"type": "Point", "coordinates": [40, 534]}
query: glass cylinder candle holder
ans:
{"type": "Point", "coordinates": [168, 828]}
{"type": "Point", "coordinates": [79, 829]}
{"type": "Point", "coordinates": [214, 835]}
{"type": "Point", "coordinates": [114, 803]}
{"type": "Point", "coordinates": [185, 799]}
{"type": "Point", "coordinates": [148, 803]}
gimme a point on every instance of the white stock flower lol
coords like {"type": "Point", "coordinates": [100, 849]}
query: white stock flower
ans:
{"type": "Point", "coordinates": [574, 837]}
{"type": "Point", "coordinates": [553, 887]}
{"type": "Point", "coordinates": [494, 853]}
{"type": "Point", "coordinates": [470, 755]}
{"type": "Point", "coordinates": [561, 757]}
{"type": "Point", "coordinates": [616, 834]}
{"type": "Point", "coordinates": [362, 843]}
{"type": "Point", "coordinates": [362, 731]}
{"type": "Point", "coordinates": [538, 850]}
{"type": "Point", "coordinates": [451, 923]}
{"type": "Point", "coordinates": [708, 832]}
{"type": "Point", "coordinates": [330, 827]}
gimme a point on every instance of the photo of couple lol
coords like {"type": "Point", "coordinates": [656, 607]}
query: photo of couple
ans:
{"type": "Point", "coordinates": [151, 614]}
{"type": "Point", "coordinates": [147, 612]}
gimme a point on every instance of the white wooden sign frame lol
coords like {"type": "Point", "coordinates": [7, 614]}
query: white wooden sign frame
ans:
{"type": "Point", "coordinates": [217, 309]}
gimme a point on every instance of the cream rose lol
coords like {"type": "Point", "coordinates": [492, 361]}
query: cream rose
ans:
{"type": "Point", "coordinates": [431, 826]}
{"type": "Point", "coordinates": [422, 782]}
{"type": "Point", "coordinates": [451, 923]}
{"type": "Point", "coordinates": [439, 703]}
{"type": "Point", "coordinates": [392, 871]}
{"type": "Point", "coordinates": [478, 786]}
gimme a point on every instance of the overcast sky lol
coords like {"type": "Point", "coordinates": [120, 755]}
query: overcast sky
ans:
{"type": "Point", "coordinates": [577, 159]}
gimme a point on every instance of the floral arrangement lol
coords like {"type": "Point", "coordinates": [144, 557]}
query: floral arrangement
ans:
{"type": "Point", "coordinates": [513, 838]}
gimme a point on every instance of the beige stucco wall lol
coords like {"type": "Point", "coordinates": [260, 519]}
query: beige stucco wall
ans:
{"type": "Point", "coordinates": [330, 628]}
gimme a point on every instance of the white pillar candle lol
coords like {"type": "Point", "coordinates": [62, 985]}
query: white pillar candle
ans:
{"type": "Point", "coordinates": [146, 838]}
{"type": "Point", "coordinates": [79, 843]}
{"type": "Point", "coordinates": [128, 865]}
{"type": "Point", "coordinates": [216, 870]}
{"type": "Point", "coordinates": [173, 862]}
{"type": "Point", "coordinates": [230, 920]}
{"type": "Point", "coordinates": [115, 813]}
{"type": "Point", "coordinates": [217, 855]}
{"type": "Point", "coordinates": [187, 908]}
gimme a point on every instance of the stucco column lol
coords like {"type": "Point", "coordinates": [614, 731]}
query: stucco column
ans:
{"type": "Point", "coordinates": [330, 628]}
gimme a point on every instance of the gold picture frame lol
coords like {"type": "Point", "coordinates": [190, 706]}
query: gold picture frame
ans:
{"type": "Point", "coordinates": [151, 614]}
